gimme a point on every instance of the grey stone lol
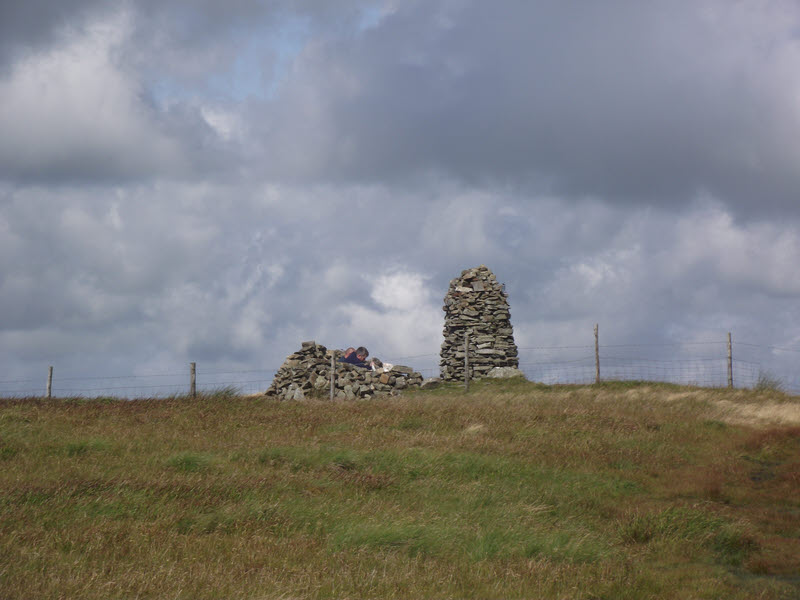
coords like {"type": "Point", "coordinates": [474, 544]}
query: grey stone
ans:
{"type": "Point", "coordinates": [505, 373]}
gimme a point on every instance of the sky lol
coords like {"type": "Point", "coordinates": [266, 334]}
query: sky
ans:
{"type": "Point", "coordinates": [195, 181]}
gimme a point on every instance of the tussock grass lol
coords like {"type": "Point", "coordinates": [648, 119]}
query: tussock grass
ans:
{"type": "Point", "coordinates": [622, 490]}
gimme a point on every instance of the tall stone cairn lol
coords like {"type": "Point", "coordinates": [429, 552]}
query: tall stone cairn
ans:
{"type": "Point", "coordinates": [476, 305]}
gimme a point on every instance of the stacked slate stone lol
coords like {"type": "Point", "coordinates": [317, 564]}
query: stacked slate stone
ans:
{"type": "Point", "coordinates": [476, 305]}
{"type": "Point", "coordinates": [307, 374]}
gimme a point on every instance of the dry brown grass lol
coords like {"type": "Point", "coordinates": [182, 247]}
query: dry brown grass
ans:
{"type": "Point", "coordinates": [513, 490]}
{"type": "Point", "coordinates": [743, 407]}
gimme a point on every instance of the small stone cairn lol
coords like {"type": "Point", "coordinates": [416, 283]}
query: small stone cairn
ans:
{"type": "Point", "coordinates": [477, 305]}
{"type": "Point", "coordinates": [307, 374]}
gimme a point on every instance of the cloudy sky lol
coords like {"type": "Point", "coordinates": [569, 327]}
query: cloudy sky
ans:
{"type": "Point", "coordinates": [192, 180]}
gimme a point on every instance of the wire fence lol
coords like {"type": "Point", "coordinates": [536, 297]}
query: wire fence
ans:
{"type": "Point", "coordinates": [705, 364]}
{"type": "Point", "coordinates": [153, 385]}
{"type": "Point", "coordinates": [695, 372]}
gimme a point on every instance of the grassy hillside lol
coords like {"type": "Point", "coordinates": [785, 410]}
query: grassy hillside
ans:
{"type": "Point", "coordinates": [513, 490]}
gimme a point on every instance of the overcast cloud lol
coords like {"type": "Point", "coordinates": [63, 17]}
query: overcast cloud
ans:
{"type": "Point", "coordinates": [191, 181]}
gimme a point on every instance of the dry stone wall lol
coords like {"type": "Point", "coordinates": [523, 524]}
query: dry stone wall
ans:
{"type": "Point", "coordinates": [307, 374]}
{"type": "Point", "coordinates": [476, 305]}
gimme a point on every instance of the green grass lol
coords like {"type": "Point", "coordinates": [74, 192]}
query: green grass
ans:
{"type": "Point", "coordinates": [515, 490]}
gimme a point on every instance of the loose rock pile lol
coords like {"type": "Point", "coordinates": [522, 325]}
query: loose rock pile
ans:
{"type": "Point", "coordinates": [476, 305]}
{"type": "Point", "coordinates": [307, 373]}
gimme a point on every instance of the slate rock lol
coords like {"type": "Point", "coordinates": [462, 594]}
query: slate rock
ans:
{"type": "Point", "coordinates": [505, 373]}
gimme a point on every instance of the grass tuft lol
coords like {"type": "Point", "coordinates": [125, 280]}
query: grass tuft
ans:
{"type": "Point", "coordinates": [769, 382]}
{"type": "Point", "coordinates": [188, 462]}
{"type": "Point", "coordinates": [8, 452]}
{"type": "Point", "coordinates": [228, 392]}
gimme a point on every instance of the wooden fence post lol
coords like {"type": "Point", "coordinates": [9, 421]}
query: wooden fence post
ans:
{"type": "Point", "coordinates": [50, 382]}
{"type": "Point", "coordinates": [466, 361]}
{"type": "Point", "coordinates": [596, 354]}
{"type": "Point", "coordinates": [193, 380]}
{"type": "Point", "coordinates": [730, 361]}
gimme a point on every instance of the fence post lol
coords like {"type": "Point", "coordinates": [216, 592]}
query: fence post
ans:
{"type": "Point", "coordinates": [50, 382]}
{"type": "Point", "coordinates": [333, 371]}
{"type": "Point", "coordinates": [466, 361]}
{"type": "Point", "coordinates": [596, 353]}
{"type": "Point", "coordinates": [193, 380]}
{"type": "Point", "coordinates": [730, 361]}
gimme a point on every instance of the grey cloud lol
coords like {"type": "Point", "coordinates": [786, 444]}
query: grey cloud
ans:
{"type": "Point", "coordinates": [74, 115]}
{"type": "Point", "coordinates": [655, 103]}
{"type": "Point", "coordinates": [199, 44]}
{"type": "Point", "coordinates": [36, 24]}
{"type": "Point", "coordinates": [95, 94]}
{"type": "Point", "coordinates": [651, 103]}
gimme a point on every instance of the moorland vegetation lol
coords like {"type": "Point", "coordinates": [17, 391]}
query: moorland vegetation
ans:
{"type": "Point", "coordinates": [513, 490]}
